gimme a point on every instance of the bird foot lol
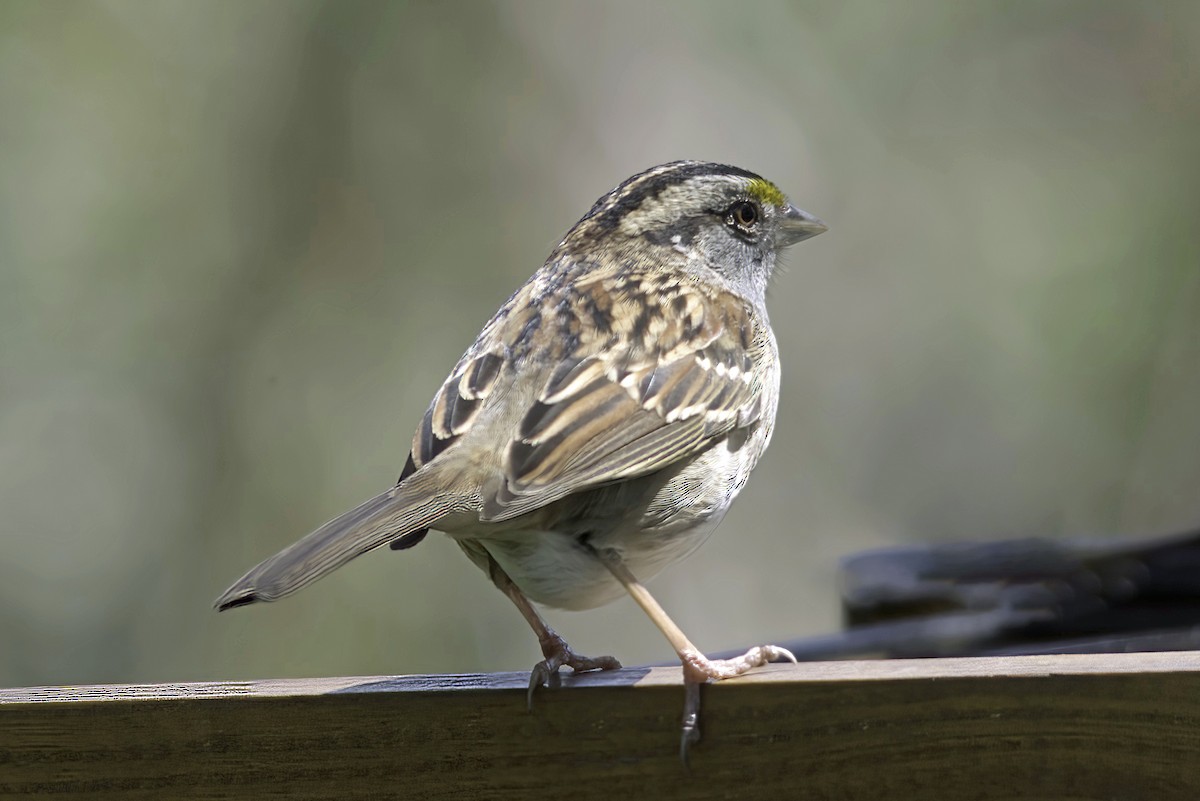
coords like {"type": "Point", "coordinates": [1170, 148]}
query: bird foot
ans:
{"type": "Point", "coordinates": [698, 669]}
{"type": "Point", "coordinates": [558, 654]}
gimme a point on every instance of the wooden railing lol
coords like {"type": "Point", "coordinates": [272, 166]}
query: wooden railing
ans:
{"type": "Point", "coordinates": [1120, 726]}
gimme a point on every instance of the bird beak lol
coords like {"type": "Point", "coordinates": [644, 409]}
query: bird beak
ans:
{"type": "Point", "coordinates": [798, 225]}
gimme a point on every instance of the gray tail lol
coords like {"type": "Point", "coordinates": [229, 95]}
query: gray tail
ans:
{"type": "Point", "coordinates": [402, 509]}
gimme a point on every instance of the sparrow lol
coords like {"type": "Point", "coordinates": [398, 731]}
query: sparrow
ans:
{"type": "Point", "coordinates": [603, 421]}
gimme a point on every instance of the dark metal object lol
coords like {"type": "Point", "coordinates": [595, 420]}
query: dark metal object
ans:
{"type": "Point", "coordinates": [1029, 596]}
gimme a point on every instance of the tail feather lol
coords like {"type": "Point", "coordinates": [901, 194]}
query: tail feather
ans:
{"type": "Point", "coordinates": [373, 523]}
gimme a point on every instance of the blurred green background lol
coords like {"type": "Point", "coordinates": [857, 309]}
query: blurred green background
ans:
{"type": "Point", "coordinates": [242, 242]}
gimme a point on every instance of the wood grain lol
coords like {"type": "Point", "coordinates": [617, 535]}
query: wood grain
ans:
{"type": "Point", "coordinates": [1109, 726]}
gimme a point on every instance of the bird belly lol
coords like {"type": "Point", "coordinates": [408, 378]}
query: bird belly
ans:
{"type": "Point", "coordinates": [650, 522]}
{"type": "Point", "coordinates": [558, 570]}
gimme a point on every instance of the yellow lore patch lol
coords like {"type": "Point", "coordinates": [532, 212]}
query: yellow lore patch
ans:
{"type": "Point", "coordinates": [765, 192]}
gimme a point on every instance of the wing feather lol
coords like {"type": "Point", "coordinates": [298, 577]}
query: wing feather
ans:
{"type": "Point", "coordinates": [635, 407]}
{"type": "Point", "coordinates": [639, 371]}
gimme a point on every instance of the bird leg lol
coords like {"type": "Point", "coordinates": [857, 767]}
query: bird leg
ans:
{"type": "Point", "coordinates": [697, 668]}
{"type": "Point", "coordinates": [554, 648]}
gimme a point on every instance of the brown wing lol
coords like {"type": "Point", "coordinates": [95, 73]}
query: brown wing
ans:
{"type": "Point", "coordinates": [640, 371]}
{"type": "Point", "coordinates": [451, 414]}
{"type": "Point", "coordinates": [658, 370]}
{"type": "Point", "coordinates": [602, 432]}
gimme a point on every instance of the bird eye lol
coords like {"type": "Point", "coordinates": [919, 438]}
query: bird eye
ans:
{"type": "Point", "coordinates": [743, 214]}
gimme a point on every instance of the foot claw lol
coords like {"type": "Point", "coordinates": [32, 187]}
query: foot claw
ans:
{"type": "Point", "coordinates": [558, 654]}
{"type": "Point", "coordinates": [543, 675]}
{"type": "Point", "coordinates": [698, 669]}
{"type": "Point", "coordinates": [691, 720]}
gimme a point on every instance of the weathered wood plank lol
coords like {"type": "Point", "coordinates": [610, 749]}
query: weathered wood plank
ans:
{"type": "Point", "coordinates": [1085, 726]}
